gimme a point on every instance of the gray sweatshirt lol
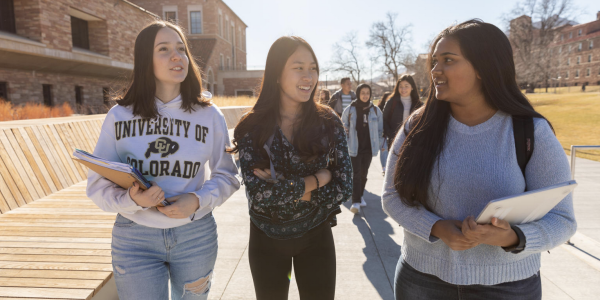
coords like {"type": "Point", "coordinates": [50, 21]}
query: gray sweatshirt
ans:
{"type": "Point", "coordinates": [182, 152]}
{"type": "Point", "coordinates": [479, 164]}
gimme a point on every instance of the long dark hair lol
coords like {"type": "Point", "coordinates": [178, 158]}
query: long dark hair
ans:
{"type": "Point", "coordinates": [141, 90]}
{"type": "Point", "coordinates": [487, 48]}
{"type": "Point", "coordinates": [327, 97]}
{"type": "Point", "coordinates": [316, 120]}
{"type": "Point", "coordinates": [414, 94]}
{"type": "Point", "coordinates": [384, 98]}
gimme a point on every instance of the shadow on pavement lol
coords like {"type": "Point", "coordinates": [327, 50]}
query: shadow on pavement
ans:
{"type": "Point", "coordinates": [381, 251]}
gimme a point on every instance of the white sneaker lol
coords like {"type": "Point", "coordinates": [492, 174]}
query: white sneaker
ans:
{"type": "Point", "coordinates": [355, 208]}
{"type": "Point", "coordinates": [363, 202]}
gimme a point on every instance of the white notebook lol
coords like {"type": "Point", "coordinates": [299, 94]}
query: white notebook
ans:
{"type": "Point", "coordinates": [526, 207]}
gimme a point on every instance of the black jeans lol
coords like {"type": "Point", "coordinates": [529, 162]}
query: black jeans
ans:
{"type": "Point", "coordinates": [414, 285]}
{"type": "Point", "coordinates": [313, 256]}
{"type": "Point", "coordinates": [360, 169]}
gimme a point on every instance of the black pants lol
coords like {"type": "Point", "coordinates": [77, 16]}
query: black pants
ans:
{"type": "Point", "coordinates": [411, 284]}
{"type": "Point", "coordinates": [313, 256]}
{"type": "Point", "coordinates": [360, 169]}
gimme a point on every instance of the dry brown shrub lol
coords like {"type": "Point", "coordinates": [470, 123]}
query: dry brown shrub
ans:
{"type": "Point", "coordinates": [10, 112]}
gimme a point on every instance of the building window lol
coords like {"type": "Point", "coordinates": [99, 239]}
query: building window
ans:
{"type": "Point", "coordinates": [47, 91]}
{"type": "Point", "coordinates": [590, 58]}
{"type": "Point", "coordinates": [579, 32]}
{"type": "Point", "coordinates": [588, 72]}
{"type": "Point", "coordinates": [580, 46]}
{"type": "Point", "coordinates": [106, 96]}
{"type": "Point", "coordinates": [576, 73]}
{"type": "Point", "coordinates": [569, 48]}
{"type": "Point", "coordinates": [225, 31]}
{"type": "Point", "coordinates": [567, 75]}
{"type": "Point", "coordinates": [171, 16]}
{"type": "Point", "coordinates": [222, 63]}
{"type": "Point", "coordinates": [79, 32]}
{"type": "Point", "coordinates": [231, 37]}
{"type": "Point", "coordinates": [228, 63]}
{"type": "Point", "coordinates": [220, 24]}
{"type": "Point", "coordinates": [591, 45]}
{"type": "Point", "coordinates": [239, 43]}
{"type": "Point", "coordinates": [196, 22]}
{"type": "Point", "coordinates": [560, 49]}
{"type": "Point", "coordinates": [578, 59]}
{"type": "Point", "coordinates": [568, 61]}
{"type": "Point", "coordinates": [7, 16]}
{"type": "Point", "coordinates": [570, 35]}
{"type": "Point", "coordinates": [4, 91]}
{"type": "Point", "coordinates": [562, 37]}
{"type": "Point", "coordinates": [78, 95]}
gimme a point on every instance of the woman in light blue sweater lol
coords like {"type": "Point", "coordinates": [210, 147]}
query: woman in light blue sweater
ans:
{"type": "Point", "coordinates": [456, 154]}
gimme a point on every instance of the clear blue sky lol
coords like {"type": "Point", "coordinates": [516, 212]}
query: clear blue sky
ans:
{"type": "Point", "coordinates": [324, 22]}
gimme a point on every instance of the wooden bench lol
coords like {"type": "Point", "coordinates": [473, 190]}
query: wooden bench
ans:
{"type": "Point", "coordinates": [54, 241]}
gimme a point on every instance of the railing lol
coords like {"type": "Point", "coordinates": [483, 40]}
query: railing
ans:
{"type": "Point", "coordinates": [574, 149]}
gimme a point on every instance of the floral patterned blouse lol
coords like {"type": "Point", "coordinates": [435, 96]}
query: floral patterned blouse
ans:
{"type": "Point", "coordinates": [275, 208]}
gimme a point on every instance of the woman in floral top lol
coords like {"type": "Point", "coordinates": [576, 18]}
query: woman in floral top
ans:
{"type": "Point", "coordinates": [292, 211]}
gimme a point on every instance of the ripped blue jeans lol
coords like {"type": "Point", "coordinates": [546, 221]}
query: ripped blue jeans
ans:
{"type": "Point", "coordinates": [145, 258]}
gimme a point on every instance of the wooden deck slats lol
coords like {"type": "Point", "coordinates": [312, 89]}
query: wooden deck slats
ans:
{"type": "Point", "coordinates": [36, 160]}
{"type": "Point", "coordinates": [54, 241]}
{"type": "Point", "coordinates": [55, 248]}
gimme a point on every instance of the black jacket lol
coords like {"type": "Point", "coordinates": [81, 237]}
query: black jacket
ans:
{"type": "Point", "coordinates": [392, 121]}
{"type": "Point", "coordinates": [337, 96]}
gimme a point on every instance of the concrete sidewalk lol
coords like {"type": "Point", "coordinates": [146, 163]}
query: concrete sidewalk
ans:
{"type": "Point", "coordinates": [368, 247]}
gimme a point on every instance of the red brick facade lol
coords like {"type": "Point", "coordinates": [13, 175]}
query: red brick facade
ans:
{"type": "Point", "coordinates": [578, 51]}
{"type": "Point", "coordinates": [237, 86]}
{"type": "Point", "coordinates": [112, 29]}
{"type": "Point", "coordinates": [232, 47]}
{"type": "Point", "coordinates": [41, 49]}
{"type": "Point", "coordinates": [574, 54]}
{"type": "Point", "coordinates": [26, 86]}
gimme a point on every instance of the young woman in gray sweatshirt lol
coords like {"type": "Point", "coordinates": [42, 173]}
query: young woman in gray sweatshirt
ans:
{"type": "Point", "coordinates": [456, 154]}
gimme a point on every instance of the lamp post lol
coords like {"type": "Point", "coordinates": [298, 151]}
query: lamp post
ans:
{"type": "Point", "coordinates": [556, 79]}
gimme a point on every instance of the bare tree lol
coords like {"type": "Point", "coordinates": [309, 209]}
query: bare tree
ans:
{"type": "Point", "coordinates": [533, 27]}
{"type": "Point", "coordinates": [346, 57]}
{"type": "Point", "coordinates": [391, 44]}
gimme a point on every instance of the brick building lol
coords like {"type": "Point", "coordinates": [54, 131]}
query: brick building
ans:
{"type": "Point", "coordinates": [76, 51]}
{"type": "Point", "coordinates": [217, 39]}
{"type": "Point", "coordinates": [574, 54]}
{"type": "Point", "coordinates": [55, 51]}
{"type": "Point", "coordinates": [578, 48]}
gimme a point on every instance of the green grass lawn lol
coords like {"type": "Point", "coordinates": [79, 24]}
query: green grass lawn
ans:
{"type": "Point", "coordinates": [575, 117]}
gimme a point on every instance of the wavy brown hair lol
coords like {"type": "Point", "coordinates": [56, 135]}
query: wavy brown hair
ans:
{"type": "Point", "coordinates": [487, 48]}
{"type": "Point", "coordinates": [414, 94]}
{"type": "Point", "coordinates": [141, 89]}
{"type": "Point", "coordinates": [316, 120]}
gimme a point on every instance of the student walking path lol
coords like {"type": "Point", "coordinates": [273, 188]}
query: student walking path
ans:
{"type": "Point", "coordinates": [368, 247]}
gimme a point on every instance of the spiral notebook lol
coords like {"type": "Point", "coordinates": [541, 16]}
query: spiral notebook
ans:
{"type": "Point", "coordinates": [120, 173]}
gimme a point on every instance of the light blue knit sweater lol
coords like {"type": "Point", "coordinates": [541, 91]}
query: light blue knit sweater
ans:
{"type": "Point", "coordinates": [479, 164]}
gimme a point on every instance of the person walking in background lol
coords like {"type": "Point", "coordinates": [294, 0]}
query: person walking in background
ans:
{"type": "Point", "coordinates": [363, 122]}
{"type": "Point", "coordinates": [342, 97]}
{"type": "Point", "coordinates": [178, 243]}
{"type": "Point", "coordinates": [455, 155]}
{"type": "Point", "coordinates": [324, 97]}
{"type": "Point", "coordinates": [384, 143]}
{"type": "Point", "coordinates": [403, 101]}
{"type": "Point", "coordinates": [297, 171]}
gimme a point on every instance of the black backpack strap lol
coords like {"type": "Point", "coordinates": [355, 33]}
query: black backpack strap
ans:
{"type": "Point", "coordinates": [523, 131]}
